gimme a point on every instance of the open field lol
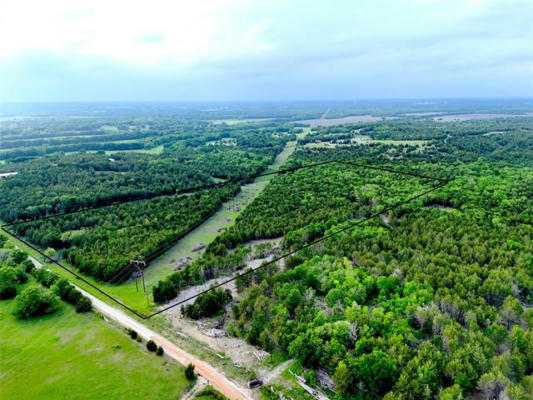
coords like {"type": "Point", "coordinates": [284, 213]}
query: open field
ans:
{"type": "Point", "coordinates": [239, 121]}
{"type": "Point", "coordinates": [313, 123]}
{"type": "Point", "coordinates": [79, 356]}
{"type": "Point", "coordinates": [468, 117]}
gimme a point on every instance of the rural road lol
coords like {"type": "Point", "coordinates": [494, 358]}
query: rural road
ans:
{"type": "Point", "coordinates": [208, 372]}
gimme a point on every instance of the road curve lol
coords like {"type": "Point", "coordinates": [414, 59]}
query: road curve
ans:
{"type": "Point", "coordinates": [211, 374]}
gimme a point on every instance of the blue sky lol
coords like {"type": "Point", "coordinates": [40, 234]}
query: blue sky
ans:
{"type": "Point", "coordinates": [264, 50]}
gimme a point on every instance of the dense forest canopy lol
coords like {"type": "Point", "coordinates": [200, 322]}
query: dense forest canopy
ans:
{"type": "Point", "coordinates": [432, 299]}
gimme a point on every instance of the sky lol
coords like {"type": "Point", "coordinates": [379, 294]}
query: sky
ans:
{"type": "Point", "coordinates": [235, 50]}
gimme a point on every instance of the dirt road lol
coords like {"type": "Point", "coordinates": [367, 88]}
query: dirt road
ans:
{"type": "Point", "coordinates": [211, 374]}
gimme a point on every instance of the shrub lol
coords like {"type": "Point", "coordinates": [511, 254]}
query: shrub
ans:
{"type": "Point", "coordinates": [8, 280]}
{"type": "Point", "coordinates": [34, 301]}
{"type": "Point", "coordinates": [210, 393]}
{"type": "Point", "coordinates": [19, 256]}
{"type": "Point", "coordinates": [83, 305]}
{"type": "Point", "coordinates": [45, 277]}
{"type": "Point", "coordinates": [133, 334]}
{"type": "Point", "coordinates": [164, 291]}
{"type": "Point", "coordinates": [189, 372]}
{"type": "Point", "coordinates": [62, 288]}
{"type": "Point", "coordinates": [160, 351]}
{"type": "Point", "coordinates": [28, 266]}
{"type": "Point", "coordinates": [70, 294]}
{"type": "Point", "coordinates": [151, 346]}
{"type": "Point", "coordinates": [50, 252]}
{"type": "Point", "coordinates": [207, 304]}
{"type": "Point", "coordinates": [21, 275]}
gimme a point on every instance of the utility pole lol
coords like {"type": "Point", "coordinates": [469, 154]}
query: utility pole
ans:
{"type": "Point", "coordinates": [139, 265]}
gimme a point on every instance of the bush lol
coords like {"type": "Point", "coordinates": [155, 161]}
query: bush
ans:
{"type": "Point", "coordinates": [34, 301]}
{"type": "Point", "coordinates": [8, 280]}
{"type": "Point", "coordinates": [210, 393]}
{"type": "Point", "coordinates": [160, 351]}
{"type": "Point", "coordinates": [28, 266]}
{"type": "Point", "coordinates": [151, 346]}
{"type": "Point", "coordinates": [132, 333]}
{"type": "Point", "coordinates": [45, 277]}
{"type": "Point", "coordinates": [189, 372]}
{"type": "Point", "coordinates": [21, 276]}
{"type": "Point", "coordinates": [207, 304]}
{"type": "Point", "coordinates": [84, 305]}
{"type": "Point", "coordinates": [19, 256]}
{"type": "Point", "coordinates": [50, 252]}
{"type": "Point", "coordinates": [70, 294]}
{"type": "Point", "coordinates": [164, 291]}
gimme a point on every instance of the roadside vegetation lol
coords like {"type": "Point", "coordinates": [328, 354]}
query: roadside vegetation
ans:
{"type": "Point", "coordinates": [50, 350]}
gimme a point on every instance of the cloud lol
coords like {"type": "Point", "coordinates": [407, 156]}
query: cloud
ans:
{"type": "Point", "coordinates": [236, 49]}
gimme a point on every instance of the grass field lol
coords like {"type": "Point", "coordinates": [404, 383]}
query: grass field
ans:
{"type": "Point", "coordinates": [79, 356]}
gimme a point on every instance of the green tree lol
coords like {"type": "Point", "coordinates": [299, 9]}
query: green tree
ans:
{"type": "Point", "coordinates": [34, 301]}
{"type": "Point", "coordinates": [8, 280]}
{"type": "Point", "coordinates": [189, 372]}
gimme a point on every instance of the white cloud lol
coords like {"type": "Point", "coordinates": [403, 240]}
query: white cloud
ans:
{"type": "Point", "coordinates": [185, 49]}
{"type": "Point", "coordinates": [115, 29]}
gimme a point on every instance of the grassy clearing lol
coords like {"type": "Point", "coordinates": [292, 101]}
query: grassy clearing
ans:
{"type": "Point", "coordinates": [79, 356]}
{"type": "Point", "coordinates": [304, 133]}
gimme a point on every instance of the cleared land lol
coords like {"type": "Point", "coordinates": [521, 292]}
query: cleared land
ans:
{"type": "Point", "coordinates": [79, 356]}
{"type": "Point", "coordinates": [313, 123]}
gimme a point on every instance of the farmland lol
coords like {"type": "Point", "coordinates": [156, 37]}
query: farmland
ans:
{"type": "Point", "coordinates": [79, 356]}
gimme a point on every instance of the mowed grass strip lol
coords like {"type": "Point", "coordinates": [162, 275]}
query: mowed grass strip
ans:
{"type": "Point", "coordinates": [79, 356]}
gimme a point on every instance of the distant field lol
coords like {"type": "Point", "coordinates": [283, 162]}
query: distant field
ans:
{"type": "Point", "coordinates": [313, 123]}
{"type": "Point", "coordinates": [79, 356]}
{"type": "Point", "coordinates": [239, 121]}
{"type": "Point", "coordinates": [467, 117]}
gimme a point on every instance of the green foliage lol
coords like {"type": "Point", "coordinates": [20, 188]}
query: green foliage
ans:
{"type": "Point", "coordinates": [209, 393]}
{"type": "Point", "coordinates": [430, 300]}
{"type": "Point", "coordinates": [45, 277]}
{"type": "Point", "coordinates": [207, 304]}
{"type": "Point", "coordinates": [151, 346]}
{"type": "Point", "coordinates": [45, 355]}
{"type": "Point", "coordinates": [112, 236]}
{"type": "Point", "coordinates": [189, 372]}
{"type": "Point", "coordinates": [84, 304]}
{"type": "Point", "coordinates": [8, 281]}
{"type": "Point", "coordinates": [34, 301]}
